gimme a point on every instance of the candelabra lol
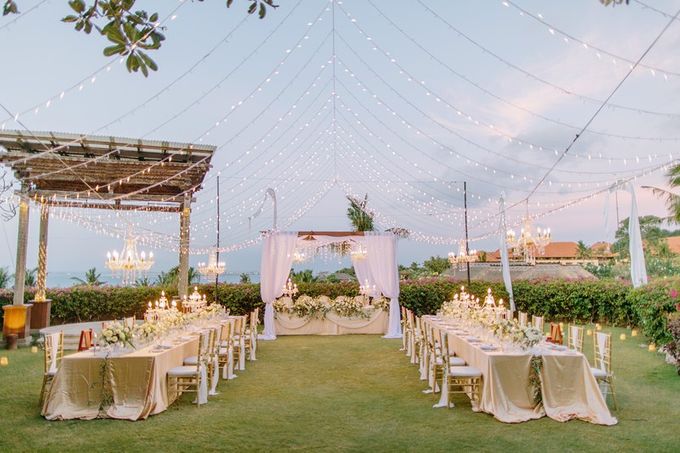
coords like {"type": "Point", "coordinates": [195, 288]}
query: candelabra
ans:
{"type": "Point", "coordinates": [464, 256]}
{"type": "Point", "coordinates": [290, 289]}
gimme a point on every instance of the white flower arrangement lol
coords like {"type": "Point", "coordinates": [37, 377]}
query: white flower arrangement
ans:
{"type": "Point", "coordinates": [308, 307]}
{"type": "Point", "coordinates": [532, 336]}
{"type": "Point", "coordinates": [349, 307]}
{"type": "Point", "coordinates": [381, 303]}
{"type": "Point", "coordinates": [283, 304]}
{"type": "Point", "coordinates": [147, 331]}
{"type": "Point", "coordinates": [117, 334]}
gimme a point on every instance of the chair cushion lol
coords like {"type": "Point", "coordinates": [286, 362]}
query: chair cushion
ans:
{"type": "Point", "coordinates": [183, 371]}
{"type": "Point", "coordinates": [51, 373]}
{"type": "Point", "coordinates": [598, 373]}
{"type": "Point", "coordinates": [223, 351]}
{"type": "Point", "coordinates": [224, 343]}
{"type": "Point", "coordinates": [464, 371]}
{"type": "Point", "coordinates": [456, 361]}
{"type": "Point", "coordinates": [193, 360]}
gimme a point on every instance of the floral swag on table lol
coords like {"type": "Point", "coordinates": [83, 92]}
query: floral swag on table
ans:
{"type": "Point", "coordinates": [318, 307]}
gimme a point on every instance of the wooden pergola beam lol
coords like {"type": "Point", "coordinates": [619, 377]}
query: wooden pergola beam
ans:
{"type": "Point", "coordinates": [330, 233]}
{"type": "Point", "coordinates": [113, 206]}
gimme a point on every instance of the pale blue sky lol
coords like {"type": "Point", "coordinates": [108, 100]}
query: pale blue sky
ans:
{"type": "Point", "coordinates": [401, 77]}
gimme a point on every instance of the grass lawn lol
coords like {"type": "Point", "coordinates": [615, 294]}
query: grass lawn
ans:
{"type": "Point", "coordinates": [349, 393]}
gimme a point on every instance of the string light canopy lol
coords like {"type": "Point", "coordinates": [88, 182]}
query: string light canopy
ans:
{"type": "Point", "coordinates": [128, 262]}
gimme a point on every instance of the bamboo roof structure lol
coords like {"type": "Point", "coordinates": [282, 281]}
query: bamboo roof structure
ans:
{"type": "Point", "coordinates": [75, 170]}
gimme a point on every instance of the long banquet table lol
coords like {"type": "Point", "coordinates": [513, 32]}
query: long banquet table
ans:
{"type": "Point", "coordinates": [569, 389]}
{"type": "Point", "coordinates": [137, 382]}
{"type": "Point", "coordinates": [332, 324]}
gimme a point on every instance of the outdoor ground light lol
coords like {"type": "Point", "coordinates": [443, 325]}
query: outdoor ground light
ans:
{"type": "Point", "coordinates": [651, 347]}
{"type": "Point", "coordinates": [589, 332]}
{"type": "Point", "coordinates": [634, 333]}
{"type": "Point", "coordinates": [4, 361]}
{"type": "Point", "coordinates": [622, 337]}
{"type": "Point", "coordinates": [34, 349]}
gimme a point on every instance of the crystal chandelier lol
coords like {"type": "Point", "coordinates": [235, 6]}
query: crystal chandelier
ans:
{"type": "Point", "coordinates": [128, 261]}
{"type": "Point", "coordinates": [530, 243]}
{"type": "Point", "coordinates": [212, 268]}
{"type": "Point", "coordinates": [463, 256]}
{"type": "Point", "coordinates": [299, 257]}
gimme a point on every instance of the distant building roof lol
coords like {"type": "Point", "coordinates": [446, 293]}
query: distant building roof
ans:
{"type": "Point", "coordinates": [674, 244]}
{"type": "Point", "coordinates": [563, 250]}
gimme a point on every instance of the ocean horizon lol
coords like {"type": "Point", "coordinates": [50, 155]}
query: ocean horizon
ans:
{"type": "Point", "coordinates": [66, 279]}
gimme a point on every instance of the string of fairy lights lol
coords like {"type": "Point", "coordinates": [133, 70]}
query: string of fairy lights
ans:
{"type": "Point", "coordinates": [342, 118]}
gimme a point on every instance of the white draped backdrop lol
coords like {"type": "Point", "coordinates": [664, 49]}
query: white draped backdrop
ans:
{"type": "Point", "coordinates": [379, 268]}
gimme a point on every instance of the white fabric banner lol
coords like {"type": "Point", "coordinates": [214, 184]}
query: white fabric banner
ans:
{"type": "Point", "coordinates": [505, 261]}
{"type": "Point", "coordinates": [277, 259]}
{"type": "Point", "coordinates": [638, 270]}
{"type": "Point", "coordinates": [381, 258]}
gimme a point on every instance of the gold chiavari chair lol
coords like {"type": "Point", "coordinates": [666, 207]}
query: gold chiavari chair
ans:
{"type": "Point", "coordinates": [522, 319]}
{"type": "Point", "coordinates": [404, 328]}
{"type": "Point", "coordinates": [555, 336]}
{"type": "Point", "coordinates": [238, 341]}
{"type": "Point", "coordinates": [603, 364]}
{"type": "Point", "coordinates": [537, 322]}
{"type": "Point", "coordinates": [250, 334]}
{"type": "Point", "coordinates": [411, 346]}
{"type": "Point", "coordinates": [461, 379]}
{"type": "Point", "coordinates": [575, 338]}
{"type": "Point", "coordinates": [129, 322]}
{"type": "Point", "coordinates": [211, 356]}
{"type": "Point", "coordinates": [225, 351]}
{"type": "Point", "coordinates": [54, 352]}
{"type": "Point", "coordinates": [188, 378]}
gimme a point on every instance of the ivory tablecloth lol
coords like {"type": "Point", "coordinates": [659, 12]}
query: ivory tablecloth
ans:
{"type": "Point", "coordinates": [569, 389]}
{"type": "Point", "coordinates": [137, 380]}
{"type": "Point", "coordinates": [332, 325]}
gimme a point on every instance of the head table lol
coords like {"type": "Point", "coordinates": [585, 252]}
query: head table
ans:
{"type": "Point", "coordinates": [124, 385]}
{"type": "Point", "coordinates": [568, 388]}
{"type": "Point", "coordinates": [332, 324]}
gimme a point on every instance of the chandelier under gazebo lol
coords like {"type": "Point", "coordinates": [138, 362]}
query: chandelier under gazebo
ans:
{"type": "Point", "coordinates": [213, 267]}
{"type": "Point", "coordinates": [358, 252]}
{"type": "Point", "coordinates": [128, 261]}
{"type": "Point", "coordinates": [530, 242]}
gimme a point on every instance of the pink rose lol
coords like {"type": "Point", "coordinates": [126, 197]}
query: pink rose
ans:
{"type": "Point", "coordinates": [674, 293]}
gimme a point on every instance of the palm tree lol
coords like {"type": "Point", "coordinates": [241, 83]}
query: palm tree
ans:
{"type": "Point", "coordinates": [4, 277]}
{"type": "Point", "coordinates": [143, 282]}
{"type": "Point", "coordinates": [672, 199]}
{"type": "Point", "coordinates": [170, 277]}
{"type": "Point", "coordinates": [357, 214]}
{"type": "Point", "coordinates": [305, 276]}
{"type": "Point", "coordinates": [91, 278]}
{"type": "Point", "coordinates": [245, 278]}
{"type": "Point", "coordinates": [583, 251]}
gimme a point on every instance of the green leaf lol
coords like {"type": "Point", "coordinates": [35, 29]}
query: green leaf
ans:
{"type": "Point", "coordinates": [115, 35]}
{"type": "Point", "coordinates": [148, 61]}
{"type": "Point", "coordinates": [113, 50]}
{"type": "Point", "coordinates": [252, 7]}
{"type": "Point", "coordinates": [229, 2]}
{"type": "Point", "coordinates": [154, 17]}
{"type": "Point", "coordinates": [77, 5]}
{"type": "Point", "coordinates": [263, 11]}
{"type": "Point", "coordinates": [70, 18]}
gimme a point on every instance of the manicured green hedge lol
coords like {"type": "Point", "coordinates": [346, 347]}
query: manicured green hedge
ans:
{"type": "Point", "coordinates": [604, 301]}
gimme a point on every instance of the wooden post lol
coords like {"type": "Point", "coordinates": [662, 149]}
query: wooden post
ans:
{"type": "Point", "coordinates": [42, 253]}
{"type": "Point", "coordinates": [183, 277]}
{"type": "Point", "coordinates": [22, 243]}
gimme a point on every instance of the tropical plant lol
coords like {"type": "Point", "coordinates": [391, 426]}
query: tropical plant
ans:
{"type": "Point", "coordinates": [5, 277]}
{"type": "Point", "coordinates": [91, 278]}
{"type": "Point", "coordinates": [130, 32]}
{"type": "Point", "coordinates": [305, 276]}
{"type": "Point", "coordinates": [244, 278]}
{"type": "Point", "coordinates": [143, 282]}
{"type": "Point", "coordinates": [583, 251]}
{"type": "Point", "coordinates": [358, 214]}
{"type": "Point", "coordinates": [436, 265]}
{"type": "Point", "coordinates": [170, 277]}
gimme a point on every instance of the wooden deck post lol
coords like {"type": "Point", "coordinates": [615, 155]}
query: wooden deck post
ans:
{"type": "Point", "coordinates": [40, 295]}
{"type": "Point", "coordinates": [22, 243]}
{"type": "Point", "coordinates": [183, 277]}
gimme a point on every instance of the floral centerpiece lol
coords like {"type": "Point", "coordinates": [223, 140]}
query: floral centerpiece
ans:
{"type": "Point", "coordinates": [117, 334]}
{"type": "Point", "coordinates": [529, 337]}
{"type": "Point", "coordinates": [283, 304]}
{"type": "Point", "coordinates": [308, 307]}
{"type": "Point", "coordinates": [349, 307]}
{"type": "Point", "coordinates": [147, 331]}
{"type": "Point", "coordinates": [381, 303]}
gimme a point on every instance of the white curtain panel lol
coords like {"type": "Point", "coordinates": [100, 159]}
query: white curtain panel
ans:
{"type": "Point", "coordinates": [505, 261]}
{"type": "Point", "coordinates": [362, 270]}
{"type": "Point", "coordinates": [277, 259]}
{"type": "Point", "coordinates": [381, 258]}
{"type": "Point", "coordinates": [638, 271]}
